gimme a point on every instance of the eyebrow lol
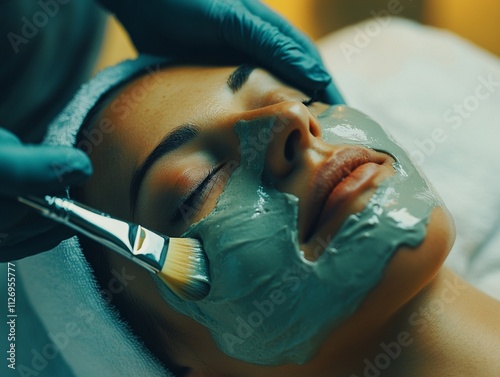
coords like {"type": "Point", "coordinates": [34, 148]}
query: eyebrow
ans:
{"type": "Point", "coordinates": [173, 140]}
{"type": "Point", "coordinates": [180, 136]}
{"type": "Point", "coordinates": [240, 75]}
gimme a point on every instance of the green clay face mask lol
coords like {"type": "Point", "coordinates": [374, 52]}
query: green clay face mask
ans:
{"type": "Point", "coordinates": [268, 305]}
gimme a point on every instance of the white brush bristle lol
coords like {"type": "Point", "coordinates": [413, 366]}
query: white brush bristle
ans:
{"type": "Point", "coordinates": [186, 269]}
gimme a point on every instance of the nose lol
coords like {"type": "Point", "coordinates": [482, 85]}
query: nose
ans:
{"type": "Point", "coordinates": [294, 131]}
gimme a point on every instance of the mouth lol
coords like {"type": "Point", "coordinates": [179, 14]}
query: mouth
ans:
{"type": "Point", "coordinates": [342, 178]}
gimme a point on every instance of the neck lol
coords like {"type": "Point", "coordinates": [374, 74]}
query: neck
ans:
{"type": "Point", "coordinates": [448, 329]}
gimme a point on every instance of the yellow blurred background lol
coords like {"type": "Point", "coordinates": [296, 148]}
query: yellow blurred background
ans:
{"type": "Point", "coordinates": [477, 23]}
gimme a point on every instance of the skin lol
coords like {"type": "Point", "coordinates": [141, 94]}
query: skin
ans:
{"type": "Point", "coordinates": [414, 279]}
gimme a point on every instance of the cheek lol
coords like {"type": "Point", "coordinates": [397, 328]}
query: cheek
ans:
{"type": "Point", "coordinates": [153, 203]}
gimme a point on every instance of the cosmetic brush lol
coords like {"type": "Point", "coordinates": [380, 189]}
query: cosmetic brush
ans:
{"type": "Point", "coordinates": [179, 262]}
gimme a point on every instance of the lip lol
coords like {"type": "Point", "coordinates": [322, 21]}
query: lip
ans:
{"type": "Point", "coordinates": [341, 177]}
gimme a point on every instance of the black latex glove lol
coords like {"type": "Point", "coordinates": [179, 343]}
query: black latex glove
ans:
{"type": "Point", "coordinates": [221, 28]}
{"type": "Point", "coordinates": [33, 169]}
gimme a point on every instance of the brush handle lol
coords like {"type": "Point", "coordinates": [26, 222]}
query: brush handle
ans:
{"type": "Point", "coordinates": [116, 234]}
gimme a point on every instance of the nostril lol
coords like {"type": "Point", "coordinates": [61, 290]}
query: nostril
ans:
{"type": "Point", "coordinates": [314, 130]}
{"type": "Point", "coordinates": [291, 144]}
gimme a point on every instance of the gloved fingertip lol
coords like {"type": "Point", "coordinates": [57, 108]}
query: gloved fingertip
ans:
{"type": "Point", "coordinates": [319, 75]}
{"type": "Point", "coordinates": [309, 69]}
{"type": "Point", "coordinates": [331, 95]}
{"type": "Point", "coordinates": [81, 162]}
{"type": "Point", "coordinates": [75, 168]}
{"type": "Point", "coordinates": [7, 137]}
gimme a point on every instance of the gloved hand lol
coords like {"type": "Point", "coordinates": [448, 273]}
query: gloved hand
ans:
{"type": "Point", "coordinates": [30, 169]}
{"type": "Point", "coordinates": [222, 27]}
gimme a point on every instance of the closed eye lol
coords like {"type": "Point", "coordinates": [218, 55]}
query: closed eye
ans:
{"type": "Point", "coordinates": [193, 202]}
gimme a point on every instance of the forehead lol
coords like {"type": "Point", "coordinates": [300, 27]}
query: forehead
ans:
{"type": "Point", "coordinates": [151, 105]}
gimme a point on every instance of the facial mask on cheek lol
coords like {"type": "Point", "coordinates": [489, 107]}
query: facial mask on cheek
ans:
{"type": "Point", "coordinates": [268, 305]}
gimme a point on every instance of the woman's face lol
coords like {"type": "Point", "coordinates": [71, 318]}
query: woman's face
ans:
{"type": "Point", "coordinates": [164, 150]}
